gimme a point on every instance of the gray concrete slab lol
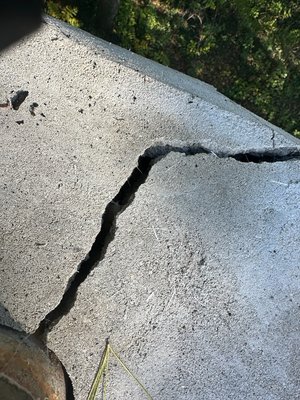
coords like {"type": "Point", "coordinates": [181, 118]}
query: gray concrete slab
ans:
{"type": "Point", "coordinates": [199, 290]}
{"type": "Point", "coordinates": [64, 158]}
{"type": "Point", "coordinates": [92, 109]}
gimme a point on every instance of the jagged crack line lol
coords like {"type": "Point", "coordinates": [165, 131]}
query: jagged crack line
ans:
{"type": "Point", "coordinates": [99, 247]}
{"type": "Point", "coordinates": [255, 156]}
{"type": "Point", "coordinates": [123, 199]}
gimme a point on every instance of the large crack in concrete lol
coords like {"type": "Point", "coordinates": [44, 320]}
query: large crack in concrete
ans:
{"type": "Point", "coordinates": [123, 199]}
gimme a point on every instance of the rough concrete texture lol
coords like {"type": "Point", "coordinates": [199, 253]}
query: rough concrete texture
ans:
{"type": "Point", "coordinates": [60, 167]}
{"type": "Point", "coordinates": [99, 108]}
{"type": "Point", "coordinates": [199, 291]}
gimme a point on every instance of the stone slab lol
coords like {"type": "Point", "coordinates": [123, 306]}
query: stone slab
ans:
{"type": "Point", "coordinates": [65, 157]}
{"type": "Point", "coordinates": [199, 291]}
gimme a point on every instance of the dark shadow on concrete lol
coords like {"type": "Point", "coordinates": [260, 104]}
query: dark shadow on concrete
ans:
{"type": "Point", "coordinates": [7, 320]}
{"type": "Point", "coordinates": [18, 18]}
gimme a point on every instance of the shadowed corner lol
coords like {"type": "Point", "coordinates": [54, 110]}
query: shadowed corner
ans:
{"type": "Point", "coordinates": [18, 18]}
{"type": "Point", "coordinates": [28, 369]}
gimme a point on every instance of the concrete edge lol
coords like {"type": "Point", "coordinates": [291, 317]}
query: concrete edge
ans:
{"type": "Point", "coordinates": [161, 73]}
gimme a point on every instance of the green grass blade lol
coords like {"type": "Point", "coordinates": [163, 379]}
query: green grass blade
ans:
{"type": "Point", "coordinates": [130, 373]}
{"type": "Point", "coordinates": [101, 368]}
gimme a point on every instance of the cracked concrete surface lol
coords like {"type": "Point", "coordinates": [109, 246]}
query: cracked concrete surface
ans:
{"type": "Point", "coordinates": [123, 199]}
{"type": "Point", "coordinates": [199, 288]}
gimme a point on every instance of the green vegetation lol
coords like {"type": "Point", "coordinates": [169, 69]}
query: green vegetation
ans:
{"type": "Point", "coordinates": [102, 374]}
{"type": "Point", "coordinates": [249, 50]}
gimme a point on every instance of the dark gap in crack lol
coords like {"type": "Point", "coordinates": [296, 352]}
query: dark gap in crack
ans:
{"type": "Point", "coordinates": [68, 384]}
{"type": "Point", "coordinates": [253, 156]}
{"type": "Point", "coordinates": [108, 226]}
{"type": "Point", "coordinates": [123, 199]}
{"type": "Point", "coordinates": [271, 156]}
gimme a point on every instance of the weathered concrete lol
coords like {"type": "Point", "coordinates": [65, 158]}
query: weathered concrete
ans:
{"type": "Point", "coordinates": [61, 167]}
{"type": "Point", "coordinates": [62, 162]}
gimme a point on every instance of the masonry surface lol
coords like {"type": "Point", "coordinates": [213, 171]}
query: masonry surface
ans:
{"type": "Point", "coordinates": [142, 205]}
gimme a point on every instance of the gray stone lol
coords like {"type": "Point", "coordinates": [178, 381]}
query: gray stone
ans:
{"type": "Point", "coordinates": [59, 168]}
{"type": "Point", "coordinates": [198, 291]}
